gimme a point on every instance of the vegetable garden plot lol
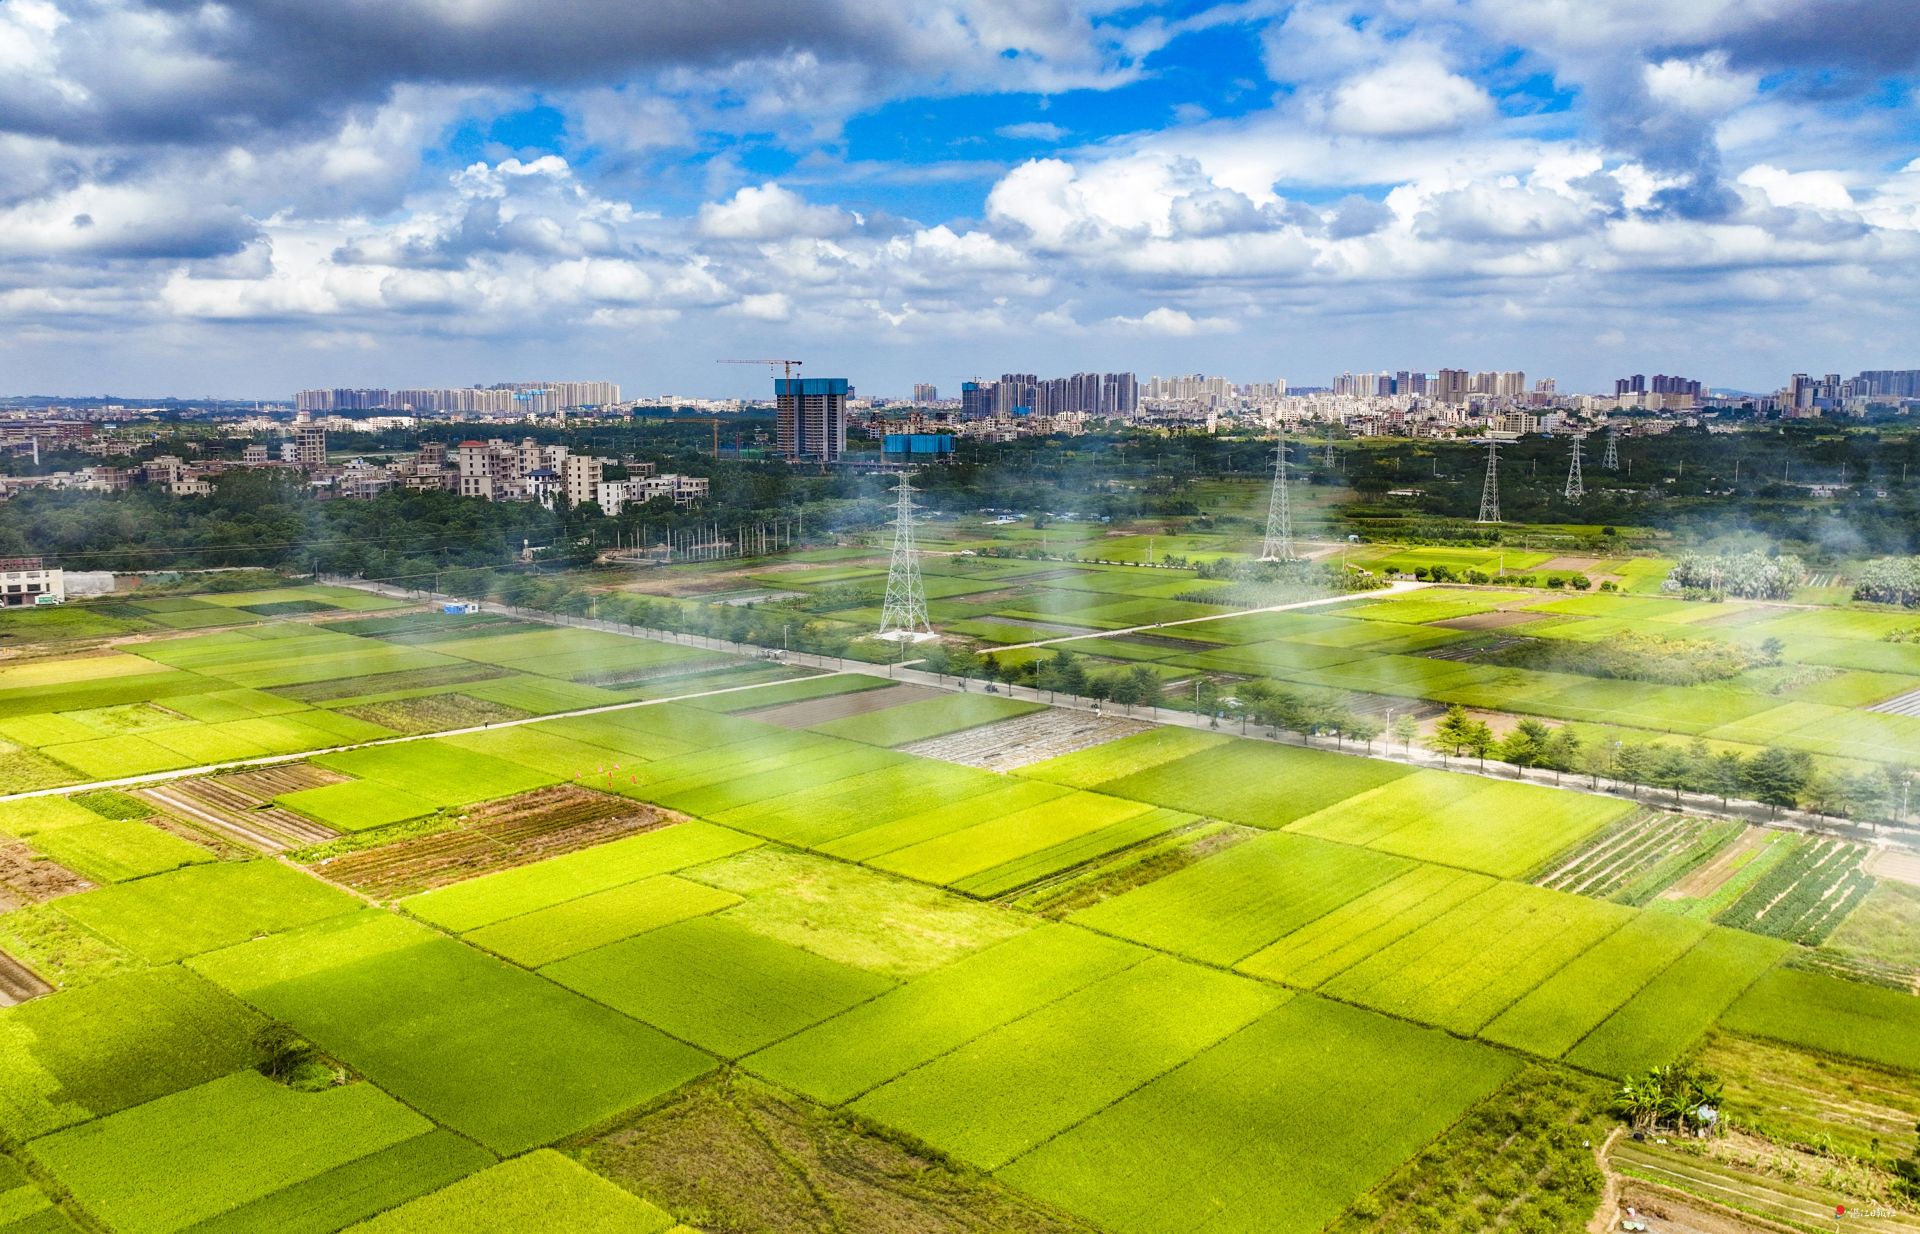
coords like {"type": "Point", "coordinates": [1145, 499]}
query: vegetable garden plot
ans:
{"type": "Point", "coordinates": [860, 1049]}
{"type": "Point", "coordinates": [720, 986]}
{"type": "Point", "coordinates": [999, 1095]}
{"type": "Point", "coordinates": [502, 834]}
{"type": "Point", "coordinates": [170, 1163]}
{"type": "Point", "coordinates": [437, 772]}
{"type": "Point", "coordinates": [1335, 942]}
{"type": "Point", "coordinates": [1672, 1010]}
{"type": "Point", "coordinates": [1236, 902]}
{"type": "Point", "coordinates": [1806, 896]}
{"type": "Point", "coordinates": [1636, 858]}
{"type": "Point", "coordinates": [1566, 1006]}
{"type": "Point", "coordinates": [542, 1191]}
{"type": "Point", "coordinates": [362, 1187]}
{"type": "Point", "coordinates": [1832, 1016]}
{"type": "Point", "coordinates": [486, 1048]}
{"type": "Point", "coordinates": [1464, 968]}
{"type": "Point", "coordinates": [528, 888]}
{"type": "Point", "coordinates": [550, 934]}
{"type": "Point", "coordinates": [1254, 783]}
{"type": "Point", "coordinates": [1274, 1131]}
{"type": "Point", "coordinates": [184, 912]}
{"type": "Point", "coordinates": [933, 717]}
{"type": "Point", "coordinates": [111, 851]}
{"type": "Point", "coordinates": [89, 1050]}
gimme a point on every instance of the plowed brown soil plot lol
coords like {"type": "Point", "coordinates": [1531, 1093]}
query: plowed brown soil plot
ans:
{"type": "Point", "coordinates": [239, 807]}
{"type": "Point", "coordinates": [1025, 739]}
{"type": "Point", "coordinates": [496, 836]}
{"type": "Point", "coordinates": [1498, 619]}
{"type": "Point", "coordinates": [27, 878]}
{"type": "Point", "coordinates": [840, 706]}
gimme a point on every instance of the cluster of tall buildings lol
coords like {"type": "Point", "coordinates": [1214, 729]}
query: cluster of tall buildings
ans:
{"type": "Point", "coordinates": [1660, 383]}
{"type": "Point", "coordinates": [506, 398]}
{"type": "Point", "coordinates": [1806, 395]}
{"type": "Point", "coordinates": [1024, 394]}
{"type": "Point", "coordinates": [1448, 385]}
{"type": "Point", "coordinates": [1210, 391]}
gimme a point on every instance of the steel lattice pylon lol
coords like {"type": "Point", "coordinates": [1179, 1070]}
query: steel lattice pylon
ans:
{"type": "Point", "coordinates": [903, 616]}
{"type": "Point", "coordinates": [1612, 460]}
{"type": "Point", "coordinates": [1278, 545]}
{"type": "Point", "coordinates": [1490, 491]}
{"type": "Point", "coordinates": [1576, 482]}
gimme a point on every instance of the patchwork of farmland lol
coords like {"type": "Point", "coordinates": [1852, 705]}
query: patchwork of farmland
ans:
{"type": "Point", "coordinates": [501, 952]}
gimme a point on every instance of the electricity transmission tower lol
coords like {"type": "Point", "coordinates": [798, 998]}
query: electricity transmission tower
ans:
{"type": "Point", "coordinates": [1278, 545]}
{"type": "Point", "coordinates": [1490, 492]}
{"type": "Point", "coordinates": [1576, 483]}
{"type": "Point", "coordinates": [903, 616]}
{"type": "Point", "coordinates": [1612, 460]}
{"type": "Point", "coordinates": [1327, 459]}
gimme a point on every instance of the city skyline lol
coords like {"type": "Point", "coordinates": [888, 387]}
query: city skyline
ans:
{"type": "Point", "coordinates": [248, 207]}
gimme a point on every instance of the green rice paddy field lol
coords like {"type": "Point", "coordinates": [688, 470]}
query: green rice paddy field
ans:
{"type": "Point", "coordinates": [599, 914]}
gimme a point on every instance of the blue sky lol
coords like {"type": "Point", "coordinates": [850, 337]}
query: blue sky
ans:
{"type": "Point", "coordinates": [249, 199]}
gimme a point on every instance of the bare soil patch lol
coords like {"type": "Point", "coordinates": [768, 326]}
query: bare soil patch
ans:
{"type": "Point", "coordinates": [495, 836]}
{"type": "Point", "coordinates": [1025, 739]}
{"type": "Point", "coordinates": [1893, 863]}
{"type": "Point", "coordinates": [28, 878]}
{"type": "Point", "coordinates": [1582, 564]}
{"type": "Point", "coordinates": [435, 713]}
{"type": "Point", "coordinates": [813, 711]}
{"type": "Point", "coordinates": [1707, 879]}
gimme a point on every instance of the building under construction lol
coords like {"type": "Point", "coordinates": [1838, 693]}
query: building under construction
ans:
{"type": "Point", "coordinates": [812, 417]}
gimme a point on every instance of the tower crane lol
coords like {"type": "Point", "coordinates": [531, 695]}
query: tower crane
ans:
{"type": "Point", "coordinates": [786, 366]}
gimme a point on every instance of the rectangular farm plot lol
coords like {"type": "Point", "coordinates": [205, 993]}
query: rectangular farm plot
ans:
{"type": "Point", "coordinates": [1376, 813]}
{"type": "Point", "coordinates": [658, 731]}
{"type": "Point", "coordinates": [550, 934]}
{"type": "Point", "coordinates": [1066, 854]}
{"type": "Point", "coordinates": [1335, 942]}
{"type": "Point", "coordinates": [1255, 783]}
{"type": "Point", "coordinates": [356, 805]}
{"type": "Point", "coordinates": [1137, 753]}
{"type": "Point", "coordinates": [1001, 1094]}
{"type": "Point", "coordinates": [933, 717]}
{"type": "Point", "coordinates": [166, 1165]}
{"type": "Point", "coordinates": [112, 851]}
{"type": "Point", "coordinates": [1566, 1006]}
{"type": "Point", "coordinates": [510, 893]}
{"type": "Point", "coordinates": [434, 771]}
{"type": "Point", "coordinates": [486, 1048]}
{"type": "Point", "coordinates": [814, 817]}
{"type": "Point", "coordinates": [542, 1191]}
{"type": "Point", "coordinates": [1502, 829]}
{"type": "Point", "coordinates": [362, 1187]}
{"type": "Point", "coordinates": [861, 1049]}
{"type": "Point", "coordinates": [1467, 966]}
{"type": "Point", "coordinates": [717, 985]}
{"type": "Point", "coordinates": [1006, 796]}
{"type": "Point", "coordinates": [1671, 1011]}
{"type": "Point", "coordinates": [1832, 1016]}
{"type": "Point", "coordinates": [1273, 1131]}
{"type": "Point", "coordinates": [1238, 901]}
{"type": "Point", "coordinates": [107, 758]}
{"type": "Point", "coordinates": [89, 1050]}
{"type": "Point", "coordinates": [968, 851]}
{"type": "Point", "coordinates": [184, 912]}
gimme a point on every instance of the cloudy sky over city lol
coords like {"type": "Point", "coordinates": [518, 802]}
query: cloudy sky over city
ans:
{"type": "Point", "coordinates": [245, 198]}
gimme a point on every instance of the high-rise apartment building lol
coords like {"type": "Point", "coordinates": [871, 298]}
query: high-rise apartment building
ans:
{"type": "Point", "coordinates": [1450, 385]}
{"type": "Point", "coordinates": [924, 392]}
{"type": "Point", "coordinates": [812, 417]}
{"type": "Point", "coordinates": [976, 400]}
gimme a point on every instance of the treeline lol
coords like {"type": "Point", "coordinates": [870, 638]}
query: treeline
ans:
{"type": "Point", "coordinates": [1750, 576]}
{"type": "Point", "coordinates": [1889, 580]}
{"type": "Point", "coordinates": [1635, 656]}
